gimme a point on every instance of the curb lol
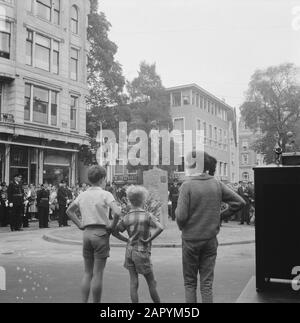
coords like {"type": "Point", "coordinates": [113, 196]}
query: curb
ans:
{"type": "Point", "coordinates": [53, 239]}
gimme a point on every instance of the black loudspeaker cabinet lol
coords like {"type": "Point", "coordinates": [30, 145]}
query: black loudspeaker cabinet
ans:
{"type": "Point", "coordinates": [277, 203]}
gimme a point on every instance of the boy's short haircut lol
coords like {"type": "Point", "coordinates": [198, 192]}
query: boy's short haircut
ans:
{"type": "Point", "coordinates": [96, 174]}
{"type": "Point", "coordinates": [137, 195]}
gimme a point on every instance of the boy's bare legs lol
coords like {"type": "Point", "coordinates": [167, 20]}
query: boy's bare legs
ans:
{"type": "Point", "coordinates": [97, 281]}
{"type": "Point", "coordinates": [134, 285]}
{"type": "Point", "coordinates": [152, 287]}
{"type": "Point", "coordinates": [87, 278]}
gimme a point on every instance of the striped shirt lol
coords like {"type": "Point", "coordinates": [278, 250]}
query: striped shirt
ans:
{"type": "Point", "coordinates": [138, 224]}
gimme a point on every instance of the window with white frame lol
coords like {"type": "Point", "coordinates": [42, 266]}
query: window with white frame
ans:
{"type": "Point", "coordinates": [220, 138]}
{"type": "Point", "coordinates": [179, 140]}
{"type": "Point", "coordinates": [225, 169]}
{"type": "Point", "coordinates": [43, 9]}
{"type": "Point", "coordinates": [55, 58]}
{"type": "Point", "coordinates": [245, 159]}
{"type": "Point", "coordinates": [225, 139]}
{"type": "Point", "coordinates": [196, 99]}
{"type": "Point", "coordinates": [210, 132]}
{"type": "Point", "coordinates": [199, 133]}
{"type": "Point", "coordinates": [42, 52]}
{"type": "Point", "coordinates": [74, 20]}
{"type": "Point", "coordinates": [201, 101]}
{"type": "Point", "coordinates": [176, 99]}
{"type": "Point", "coordinates": [29, 48]}
{"type": "Point", "coordinates": [47, 9]}
{"type": "Point", "coordinates": [205, 132]}
{"type": "Point", "coordinates": [29, 5]}
{"type": "Point", "coordinates": [245, 145]}
{"type": "Point", "coordinates": [73, 112]}
{"type": "Point", "coordinates": [74, 64]}
{"type": "Point", "coordinates": [5, 39]}
{"type": "Point", "coordinates": [41, 105]}
{"type": "Point", "coordinates": [216, 134]}
{"type": "Point", "coordinates": [246, 176]}
{"type": "Point", "coordinates": [186, 98]}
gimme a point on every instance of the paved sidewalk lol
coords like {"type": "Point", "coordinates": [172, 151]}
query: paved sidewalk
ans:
{"type": "Point", "coordinates": [231, 234]}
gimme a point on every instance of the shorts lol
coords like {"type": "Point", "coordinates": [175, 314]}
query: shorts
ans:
{"type": "Point", "coordinates": [95, 244]}
{"type": "Point", "coordinates": [139, 260]}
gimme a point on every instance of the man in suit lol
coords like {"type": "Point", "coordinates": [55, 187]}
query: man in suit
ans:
{"type": "Point", "coordinates": [174, 194]}
{"type": "Point", "coordinates": [62, 199]}
{"type": "Point", "coordinates": [244, 194]}
{"type": "Point", "coordinates": [3, 206]}
{"type": "Point", "coordinates": [15, 194]}
{"type": "Point", "coordinates": [43, 196]}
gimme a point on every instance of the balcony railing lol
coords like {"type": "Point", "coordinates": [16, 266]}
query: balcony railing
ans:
{"type": "Point", "coordinates": [7, 118]}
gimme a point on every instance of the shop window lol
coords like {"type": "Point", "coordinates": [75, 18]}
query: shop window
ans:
{"type": "Point", "coordinates": [18, 156]}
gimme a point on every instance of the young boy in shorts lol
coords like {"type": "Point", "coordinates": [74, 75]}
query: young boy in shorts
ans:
{"type": "Point", "coordinates": [138, 224]}
{"type": "Point", "coordinates": [93, 206]}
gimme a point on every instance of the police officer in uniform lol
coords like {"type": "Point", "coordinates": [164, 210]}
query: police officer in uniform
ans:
{"type": "Point", "coordinates": [62, 199]}
{"type": "Point", "coordinates": [15, 194]}
{"type": "Point", "coordinates": [43, 197]}
{"type": "Point", "coordinates": [174, 195]}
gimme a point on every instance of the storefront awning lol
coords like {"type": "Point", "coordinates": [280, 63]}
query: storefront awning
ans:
{"type": "Point", "coordinates": [38, 146]}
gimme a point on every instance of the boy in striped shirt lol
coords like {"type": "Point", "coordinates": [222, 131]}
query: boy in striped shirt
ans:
{"type": "Point", "coordinates": [138, 224]}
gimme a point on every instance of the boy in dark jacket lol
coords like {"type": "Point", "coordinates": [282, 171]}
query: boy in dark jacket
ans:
{"type": "Point", "coordinates": [199, 218]}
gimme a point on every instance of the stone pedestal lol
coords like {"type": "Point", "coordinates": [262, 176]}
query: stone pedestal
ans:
{"type": "Point", "coordinates": [156, 181]}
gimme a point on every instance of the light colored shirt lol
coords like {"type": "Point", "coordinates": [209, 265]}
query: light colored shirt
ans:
{"type": "Point", "coordinates": [94, 206]}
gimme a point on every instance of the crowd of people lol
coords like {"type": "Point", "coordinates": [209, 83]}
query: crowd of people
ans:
{"type": "Point", "coordinates": [243, 189]}
{"type": "Point", "coordinates": [21, 203]}
{"type": "Point", "coordinates": [48, 202]}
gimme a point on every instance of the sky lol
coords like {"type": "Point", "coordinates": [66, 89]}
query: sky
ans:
{"type": "Point", "coordinates": [217, 44]}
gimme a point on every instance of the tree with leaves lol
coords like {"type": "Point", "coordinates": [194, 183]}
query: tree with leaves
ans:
{"type": "Point", "coordinates": [148, 99]}
{"type": "Point", "coordinates": [272, 108]}
{"type": "Point", "coordinates": [150, 106]}
{"type": "Point", "coordinates": [105, 76]}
